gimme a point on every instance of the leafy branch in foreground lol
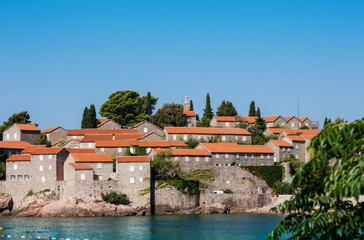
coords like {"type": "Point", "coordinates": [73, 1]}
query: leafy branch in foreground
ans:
{"type": "Point", "coordinates": [322, 206]}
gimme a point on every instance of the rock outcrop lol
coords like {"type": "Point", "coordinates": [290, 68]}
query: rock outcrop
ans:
{"type": "Point", "coordinates": [6, 202]}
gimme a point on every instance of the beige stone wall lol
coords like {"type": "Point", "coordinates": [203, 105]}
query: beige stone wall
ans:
{"type": "Point", "coordinates": [72, 144]}
{"type": "Point", "coordinates": [119, 151]}
{"type": "Point", "coordinates": [110, 125]}
{"type": "Point", "coordinates": [147, 127]}
{"type": "Point", "coordinates": [206, 137]}
{"type": "Point", "coordinates": [58, 134]}
{"type": "Point", "coordinates": [153, 137]}
{"type": "Point", "coordinates": [11, 134]}
{"type": "Point", "coordinates": [294, 123]}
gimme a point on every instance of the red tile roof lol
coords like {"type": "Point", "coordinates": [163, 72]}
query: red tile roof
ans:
{"type": "Point", "coordinates": [281, 143]}
{"type": "Point", "coordinates": [233, 119]}
{"type": "Point", "coordinates": [124, 159]}
{"type": "Point", "coordinates": [288, 118]}
{"type": "Point", "coordinates": [302, 131]}
{"type": "Point", "coordinates": [296, 138]}
{"type": "Point", "coordinates": [302, 119]}
{"type": "Point", "coordinates": [48, 130]}
{"type": "Point", "coordinates": [31, 148]}
{"type": "Point", "coordinates": [45, 151]}
{"type": "Point", "coordinates": [105, 120]}
{"type": "Point", "coordinates": [117, 143]}
{"type": "Point", "coordinates": [308, 137]}
{"type": "Point", "coordinates": [161, 144]}
{"type": "Point", "coordinates": [135, 136]}
{"type": "Point", "coordinates": [81, 132]}
{"type": "Point", "coordinates": [81, 150]}
{"type": "Point", "coordinates": [184, 152]}
{"type": "Point", "coordinates": [81, 166]}
{"type": "Point", "coordinates": [91, 157]}
{"type": "Point", "coordinates": [27, 127]}
{"type": "Point", "coordinates": [189, 113]}
{"type": "Point", "coordinates": [25, 157]}
{"type": "Point", "coordinates": [276, 130]}
{"type": "Point", "coordinates": [97, 137]}
{"type": "Point", "coordinates": [14, 144]}
{"type": "Point", "coordinates": [56, 142]}
{"type": "Point", "coordinates": [236, 148]}
{"type": "Point", "coordinates": [271, 118]}
{"type": "Point", "coordinates": [201, 130]}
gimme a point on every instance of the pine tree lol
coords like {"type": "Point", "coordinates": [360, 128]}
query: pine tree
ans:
{"type": "Point", "coordinates": [191, 105]}
{"type": "Point", "coordinates": [148, 105]}
{"type": "Point", "coordinates": [92, 119]}
{"type": "Point", "coordinates": [258, 113]}
{"type": "Point", "coordinates": [252, 109]}
{"type": "Point", "coordinates": [226, 109]}
{"type": "Point", "coordinates": [208, 113]}
{"type": "Point", "coordinates": [84, 118]}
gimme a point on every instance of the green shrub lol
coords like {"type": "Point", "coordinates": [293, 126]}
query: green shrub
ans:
{"type": "Point", "coordinates": [189, 187]}
{"type": "Point", "coordinates": [127, 152]}
{"type": "Point", "coordinates": [140, 151]}
{"type": "Point", "coordinates": [270, 174]}
{"type": "Point", "coordinates": [192, 144]}
{"type": "Point", "coordinates": [115, 198]}
{"type": "Point", "coordinates": [30, 193]}
{"type": "Point", "coordinates": [46, 190]}
{"type": "Point", "coordinates": [227, 191]}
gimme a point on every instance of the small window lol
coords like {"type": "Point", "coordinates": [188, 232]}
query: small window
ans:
{"type": "Point", "coordinates": [15, 136]}
{"type": "Point", "coordinates": [288, 149]}
{"type": "Point", "coordinates": [187, 158]}
{"type": "Point", "coordinates": [43, 179]}
{"type": "Point", "coordinates": [227, 124]}
{"type": "Point", "coordinates": [50, 157]}
{"type": "Point", "coordinates": [244, 138]}
{"type": "Point", "coordinates": [283, 149]}
{"type": "Point", "coordinates": [199, 137]}
{"type": "Point", "coordinates": [226, 155]}
{"type": "Point", "coordinates": [197, 159]}
{"type": "Point", "coordinates": [217, 155]}
{"type": "Point", "coordinates": [268, 156]}
{"type": "Point", "coordinates": [227, 182]}
{"type": "Point", "coordinates": [296, 156]}
{"type": "Point", "coordinates": [102, 149]}
{"type": "Point", "coordinates": [119, 150]}
{"type": "Point", "coordinates": [145, 130]}
{"type": "Point", "coordinates": [50, 167]}
{"type": "Point", "coordinates": [174, 137]}
{"type": "Point", "coordinates": [292, 124]}
{"type": "Point", "coordinates": [132, 180]}
{"type": "Point", "coordinates": [100, 178]}
{"type": "Point", "coordinates": [41, 168]}
{"type": "Point", "coordinates": [140, 168]}
{"type": "Point", "coordinates": [296, 146]}
{"type": "Point", "coordinates": [131, 168]}
{"type": "Point", "coordinates": [15, 166]}
{"type": "Point", "coordinates": [83, 177]}
{"type": "Point", "coordinates": [10, 153]}
{"type": "Point", "coordinates": [41, 157]}
{"type": "Point", "coordinates": [8, 136]}
{"type": "Point", "coordinates": [13, 177]}
{"type": "Point", "coordinates": [185, 137]}
{"type": "Point", "coordinates": [99, 165]}
{"type": "Point", "coordinates": [253, 156]}
{"type": "Point", "coordinates": [262, 156]}
{"type": "Point", "coordinates": [206, 159]}
{"type": "Point", "coordinates": [176, 158]}
{"type": "Point", "coordinates": [26, 177]}
{"type": "Point", "coordinates": [236, 138]}
{"type": "Point", "coordinates": [245, 155]}
{"type": "Point", "coordinates": [20, 177]}
{"type": "Point", "coordinates": [238, 156]}
{"type": "Point", "coordinates": [89, 145]}
{"type": "Point", "coordinates": [223, 138]}
{"type": "Point", "coordinates": [140, 179]}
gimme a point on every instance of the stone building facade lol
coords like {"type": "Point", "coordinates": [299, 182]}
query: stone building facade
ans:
{"type": "Point", "coordinates": [299, 146]}
{"type": "Point", "coordinates": [55, 134]}
{"type": "Point", "coordinates": [146, 127]}
{"type": "Point", "coordinates": [22, 132]}
{"type": "Point", "coordinates": [108, 124]}
{"type": "Point", "coordinates": [14, 147]}
{"type": "Point", "coordinates": [281, 148]}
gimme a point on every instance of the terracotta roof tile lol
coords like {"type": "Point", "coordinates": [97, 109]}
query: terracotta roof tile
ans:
{"type": "Point", "coordinates": [201, 130]}
{"type": "Point", "coordinates": [117, 143]}
{"type": "Point", "coordinates": [81, 132]}
{"type": "Point", "coordinates": [161, 144]}
{"type": "Point", "coordinates": [105, 120]}
{"type": "Point", "coordinates": [189, 113]}
{"type": "Point", "coordinates": [46, 151]}
{"type": "Point", "coordinates": [302, 131]}
{"type": "Point", "coordinates": [271, 118]}
{"type": "Point", "coordinates": [302, 119]}
{"type": "Point", "coordinates": [124, 159]}
{"type": "Point", "coordinates": [308, 137]}
{"type": "Point", "coordinates": [233, 119]}
{"type": "Point", "coordinates": [48, 130]}
{"type": "Point", "coordinates": [296, 138]}
{"type": "Point", "coordinates": [276, 130]}
{"type": "Point", "coordinates": [185, 152]}
{"type": "Point", "coordinates": [91, 157]}
{"type": "Point", "coordinates": [27, 127]}
{"type": "Point", "coordinates": [288, 118]}
{"type": "Point", "coordinates": [281, 143]}
{"type": "Point", "coordinates": [236, 148]}
{"type": "Point", "coordinates": [97, 137]}
{"type": "Point", "coordinates": [56, 142]}
{"type": "Point", "coordinates": [32, 148]}
{"type": "Point", "coordinates": [135, 136]}
{"type": "Point", "coordinates": [25, 157]}
{"type": "Point", "coordinates": [81, 150]}
{"type": "Point", "coordinates": [81, 166]}
{"type": "Point", "coordinates": [14, 144]}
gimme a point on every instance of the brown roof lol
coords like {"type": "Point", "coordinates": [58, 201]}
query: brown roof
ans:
{"type": "Point", "coordinates": [202, 130]}
{"type": "Point", "coordinates": [25, 157]}
{"type": "Point", "coordinates": [14, 144]}
{"type": "Point", "coordinates": [31, 148]}
{"type": "Point", "coordinates": [27, 127]}
{"type": "Point", "coordinates": [45, 151]}
{"type": "Point", "coordinates": [296, 138]}
{"type": "Point", "coordinates": [97, 137]}
{"type": "Point", "coordinates": [48, 130]}
{"type": "Point", "coordinates": [184, 152]}
{"type": "Point", "coordinates": [161, 144]}
{"type": "Point", "coordinates": [80, 132]}
{"type": "Point", "coordinates": [81, 150]}
{"type": "Point", "coordinates": [236, 148]}
{"type": "Point", "coordinates": [91, 157]}
{"type": "Point", "coordinates": [133, 159]}
{"type": "Point", "coordinates": [81, 166]}
{"type": "Point", "coordinates": [116, 143]}
{"type": "Point", "coordinates": [189, 113]}
{"type": "Point", "coordinates": [281, 143]}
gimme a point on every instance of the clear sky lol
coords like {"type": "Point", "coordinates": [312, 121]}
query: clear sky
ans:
{"type": "Point", "coordinates": [56, 57]}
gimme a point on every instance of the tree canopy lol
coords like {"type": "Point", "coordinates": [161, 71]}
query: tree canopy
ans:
{"type": "Point", "coordinates": [171, 114]}
{"type": "Point", "coordinates": [43, 140]}
{"type": "Point", "coordinates": [257, 131]}
{"type": "Point", "coordinates": [226, 109]}
{"type": "Point", "coordinates": [322, 206]}
{"type": "Point", "coordinates": [252, 109]}
{"type": "Point", "coordinates": [208, 113]}
{"type": "Point", "coordinates": [89, 118]}
{"type": "Point", "coordinates": [21, 118]}
{"type": "Point", "coordinates": [127, 107]}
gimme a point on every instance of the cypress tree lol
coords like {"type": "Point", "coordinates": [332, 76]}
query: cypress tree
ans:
{"type": "Point", "coordinates": [84, 118]}
{"type": "Point", "coordinates": [258, 113]}
{"type": "Point", "coordinates": [148, 105]}
{"type": "Point", "coordinates": [191, 105]}
{"type": "Point", "coordinates": [252, 109]}
{"type": "Point", "coordinates": [208, 113]}
{"type": "Point", "coordinates": [92, 119]}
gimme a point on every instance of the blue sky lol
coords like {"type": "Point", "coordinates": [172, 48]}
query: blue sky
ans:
{"type": "Point", "coordinates": [56, 57]}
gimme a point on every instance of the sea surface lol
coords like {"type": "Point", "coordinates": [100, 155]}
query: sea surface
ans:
{"type": "Point", "coordinates": [219, 226]}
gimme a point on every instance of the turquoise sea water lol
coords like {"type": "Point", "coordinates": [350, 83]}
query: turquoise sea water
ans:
{"type": "Point", "coordinates": [224, 226]}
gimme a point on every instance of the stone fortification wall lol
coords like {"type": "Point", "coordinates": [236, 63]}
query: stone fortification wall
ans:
{"type": "Point", "coordinates": [2, 186]}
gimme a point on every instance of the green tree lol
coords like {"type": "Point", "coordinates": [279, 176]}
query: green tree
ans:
{"type": "Point", "coordinates": [171, 114]}
{"type": "Point", "coordinates": [322, 206]}
{"type": "Point", "coordinates": [20, 118]}
{"type": "Point", "coordinates": [84, 118]}
{"type": "Point", "coordinates": [191, 105]}
{"type": "Point", "coordinates": [208, 113]}
{"type": "Point", "coordinates": [122, 107]}
{"type": "Point", "coordinates": [163, 168]}
{"type": "Point", "coordinates": [258, 113]}
{"type": "Point", "coordinates": [149, 107]}
{"type": "Point", "coordinates": [226, 109]}
{"type": "Point", "coordinates": [92, 120]}
{"type": "Point", "coordinates": [43, 141]}
{"type": "Point", "coordinates": [257, 130]}
{"type": "Point", "coordinates": [252, 109]}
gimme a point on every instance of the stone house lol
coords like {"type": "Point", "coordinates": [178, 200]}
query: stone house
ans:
{"type": "Point", "coordinates": [29, 149]}
{"type": "Point", "coordinates": [207, 134]}
{"type": "Point", "coordinates": [140, 136]}
{"type": "Point", "coordinates": [282, 149]}
{"type": "Point", "coordinates": [14, 147]}
{"type": "Point", "coordinates": [190, 118]}
{"type": "Point", "coordinates": [273, 131]}
{"type": "Point", "coordinates": [108, 124]}
{"type": "Point", "coordinates": [286, 132]}
{"type": "Point", "coordinates": [117, 147]}
{"type": "Point", "coordinates": [133, 177]}
{"type": "Point", "coordinates": [55, 134]}
{"type": "Point", "coordinates": [160, 144]}
{"type": "Point", "coordinates": [292, 122]}
{"type": "Point", "coordinates": [146, 127]}
{"type": "Point", "coordinates": [88, 141]}
{"type": "Point", "coordinates": [22, 132]}
{"type": "Point", "coordinates": [272, 121]}
{"type": "Point", "coordinates": [101, 163]}
{"type": "Point", "coordinates": [79, 178]}
{"type": "Point", "coordinates": [305, 121]}
{"type": "Point", "coordinates": [189, 159]}
{"type": "Point", "coordinates": [72, 143]}
{"type": "Point", "coordinates": [231, 121]}
{"type": "Point", "coordinates": [230, 154]}
{"type": "Point", "coordinates": [299, 146]}
{"type": "Point", "coordinates": [80, 133]}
